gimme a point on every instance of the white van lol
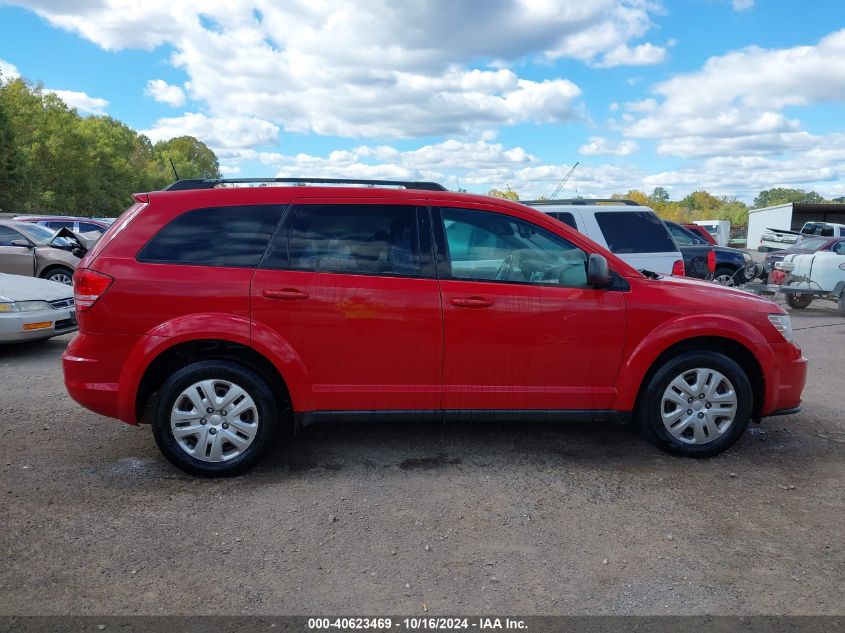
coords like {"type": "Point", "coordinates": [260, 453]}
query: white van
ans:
{"type": "Point", "coordinates": [627, 229]}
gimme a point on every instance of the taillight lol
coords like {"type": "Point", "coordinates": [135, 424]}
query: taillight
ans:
{"type": "Point", "coordinates": [678, 268]}
{"type": "Point", "coordinates": [88, 286]}
{"type": "Point", "coordinates": [711, 261]}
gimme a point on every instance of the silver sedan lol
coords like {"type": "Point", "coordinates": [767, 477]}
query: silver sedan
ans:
{"type": "Point", "coordinates": [33, 309]}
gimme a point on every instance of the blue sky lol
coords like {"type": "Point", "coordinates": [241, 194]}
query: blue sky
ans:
{"type": "Point", "coordinates": [729, 95]}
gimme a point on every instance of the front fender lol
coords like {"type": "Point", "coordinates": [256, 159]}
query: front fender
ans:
{"type": "Point", "coordinates": [208, 326]}
{"type": "Point", "coordinates": [690, 326]}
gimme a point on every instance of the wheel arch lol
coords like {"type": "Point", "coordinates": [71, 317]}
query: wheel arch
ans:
{"type": "Point", "coordinates": [183, 353]}
{"type": "Point", "coordinates": [733, 349]}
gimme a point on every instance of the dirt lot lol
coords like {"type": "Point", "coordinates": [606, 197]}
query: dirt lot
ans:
{"type": "Point", "coordinates": [529, 519]}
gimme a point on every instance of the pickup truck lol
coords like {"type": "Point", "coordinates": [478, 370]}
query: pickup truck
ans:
{"type": "Point", "coordinates": [779, 239]}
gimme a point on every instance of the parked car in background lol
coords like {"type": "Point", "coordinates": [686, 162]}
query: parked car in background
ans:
{"type": "Point", "coordinates": [632, 232]}
{"type": "Point", "coordinates": [34, 309]}
{"type": "Point", "coordinates": [807, 244]}
{"type": "Point", "coordinates": [700, 231]}
{"type": "Point", "coordinates": [34, 251]}
{"type": "Point", "coordinates": [362, 302]}
{"type": "Point", "coordinates": [75, 224]}
{"type": "Point", "coordinates": [724, 265]}
{"type": "Point", "coordinates": [779, 239]}
{"type": "Point", "coordinates": [699, 256]}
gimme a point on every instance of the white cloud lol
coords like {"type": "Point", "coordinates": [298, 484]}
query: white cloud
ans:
{"type": "Point", "coordinates": [600, 146]}
{"type": "Point", "coordinates": [642, 55]}
{"type": "Point", "coordinates": [218, 133]}
{"type": "Point", "coordinates": [742, 5]}
{"type": "Point", "coordinates": [371, 68]}
{"type": "Point", "coordinates": [163, 92]}
{"type": "Point", "coordinates": [735, 102]}
{"type": "Point", "coordinates": [81, 101]}
{"type": "Point", "coordinates": [8, 70]}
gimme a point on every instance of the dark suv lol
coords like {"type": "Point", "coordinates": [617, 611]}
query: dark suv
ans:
{"type": "Point", "coordinates": [221, 313]}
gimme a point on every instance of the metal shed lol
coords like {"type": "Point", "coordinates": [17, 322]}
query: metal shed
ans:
{"type": "Point", "coordinates": [791, 216]}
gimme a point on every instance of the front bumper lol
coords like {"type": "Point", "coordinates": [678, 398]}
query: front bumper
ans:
{"type": "Point", "coordinates": [785, 397]}
{"type": "Point", "coordinates": [60, 321]}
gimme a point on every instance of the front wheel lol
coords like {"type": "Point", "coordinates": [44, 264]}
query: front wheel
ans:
{"type": "Point", "coordinates": [698, 404]}
{"type": "Point", "coordinates": [799, 302]}
{"type": "Point", "coordinates": [59, 274]}
{"type": "Point", "coordinates": [215, 418]}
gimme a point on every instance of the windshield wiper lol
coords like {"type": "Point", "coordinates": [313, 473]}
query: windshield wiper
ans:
{"type": "Point", "coordinates": [649, 273]}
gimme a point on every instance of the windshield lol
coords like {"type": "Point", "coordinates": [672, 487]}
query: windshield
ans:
{"type": "Point", "coordinates": [40, 234]}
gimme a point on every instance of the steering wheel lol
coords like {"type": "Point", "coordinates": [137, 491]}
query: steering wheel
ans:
{"type": "Point", "coordinates": [505, 267]}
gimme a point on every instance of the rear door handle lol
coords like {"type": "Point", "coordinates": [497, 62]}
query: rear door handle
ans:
{"type": "Point", "coordinates": [286, 294]}
{"type": "Point", "coordinates": [471, 302]}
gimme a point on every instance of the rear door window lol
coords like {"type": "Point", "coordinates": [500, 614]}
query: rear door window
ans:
{"type": "Point", "coordinates": [216, 236]}
{"type": "Point", "coordinates": [634, 232]}
{"type": "Point", "coordinates": [565, 217]}
{"type": "Point", "coordinates": [363, 239]}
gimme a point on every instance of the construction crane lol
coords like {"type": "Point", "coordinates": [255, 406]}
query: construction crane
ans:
{"type": "Point", "coordinates": [563, 182]}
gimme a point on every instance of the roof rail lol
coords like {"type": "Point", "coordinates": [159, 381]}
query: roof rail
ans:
{"type": "Point", "coordinates": [585, 201]}
{"type": "Point", "coordinates": [211, 183]}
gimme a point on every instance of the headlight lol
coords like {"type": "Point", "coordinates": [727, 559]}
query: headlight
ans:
{"type": "Point", "coordinates": [24, 306]}
{"type": "Point", "coordinates": [783, 325]}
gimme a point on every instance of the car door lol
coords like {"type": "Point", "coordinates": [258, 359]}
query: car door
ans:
{"type": "Point", "coordinates": [350, 286]}
{"type": "Point", "coordinates": [522, 329]}
{"type": "Point", "coordinates": [15, 260]}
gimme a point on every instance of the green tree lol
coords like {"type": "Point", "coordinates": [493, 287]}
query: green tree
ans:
{"type": "Point", "coordinates": [660, 195]}
{"type": "Point", "coordinates": [781, 195]}
{"type": "Point", "coordinates": [10, 162]}
{"type": "Point", "coordinates": [509, 194]}
{"type": "Point", "coordinates": [54, 160]}
{"type": "Point", "coordinates": [191, 157]}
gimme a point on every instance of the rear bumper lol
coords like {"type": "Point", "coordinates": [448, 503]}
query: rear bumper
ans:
{"type": "Point", "coordinates": [92, 367]}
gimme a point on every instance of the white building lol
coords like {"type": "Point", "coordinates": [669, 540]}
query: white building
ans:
{"type": "Point", "coordinates": [790, 216]}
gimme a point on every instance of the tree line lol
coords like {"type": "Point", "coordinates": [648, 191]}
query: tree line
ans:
{"type": "Point", "coordinates": [54, 160]}
{"type": "Point", "coordinates": [702, 205]}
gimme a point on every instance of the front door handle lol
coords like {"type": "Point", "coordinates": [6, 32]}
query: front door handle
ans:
{"type": "Point", "coordinates": [471, 302]}
{"type": "Point", "coordinates": [286, 294]}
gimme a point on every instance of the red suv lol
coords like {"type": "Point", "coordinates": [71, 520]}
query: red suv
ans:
{"type": "Point", "coordinates": [221, 313]}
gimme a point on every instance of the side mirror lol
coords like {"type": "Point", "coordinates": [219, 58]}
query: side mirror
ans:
{"type": "Point", "coordinates": [598, 274]}
{"type": "Point", "coordinates": [21, 243]}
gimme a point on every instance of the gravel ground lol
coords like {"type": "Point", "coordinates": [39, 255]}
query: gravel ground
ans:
{"type": "Point", "coordinates": [529, 519]}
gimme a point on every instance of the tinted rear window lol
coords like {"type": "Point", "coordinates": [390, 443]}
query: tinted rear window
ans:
{"type": "Point", "coordinates": [216, 236]}
{"type": "Point", "coordinates": [353, 239]}
{"type": "Point", "coordinates": [566, 218]}
{"type": "Point", "coordinates": [634, 232]}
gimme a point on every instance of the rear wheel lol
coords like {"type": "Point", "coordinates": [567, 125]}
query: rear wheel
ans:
{"type": "Point", "coordinates": [799, 302]}
{"type": "Point", "coordinates": [725, 276]}
{"type": "Point", "coordinates": [697, 404]}
{"type": "Point", "coordinates": [59, 274]}
{"type": "Point", "coordinates": [842, 303]}
{"type": "Point", "coordinates": [215, 418]}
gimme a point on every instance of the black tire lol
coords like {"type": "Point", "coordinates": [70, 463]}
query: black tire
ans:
{"type": "Point", "coordinates": [725, 272]}
{"type": "Point", "coordinates": [58, 274]}
{"type": "Point", "coordinates": [250, 382]}
{"type": "Point", "coordinates": [650, 404]}
{"type": "Point", "coordinates": [842, 302]}
{"type": "Point", "coordinates": [799, 302]}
